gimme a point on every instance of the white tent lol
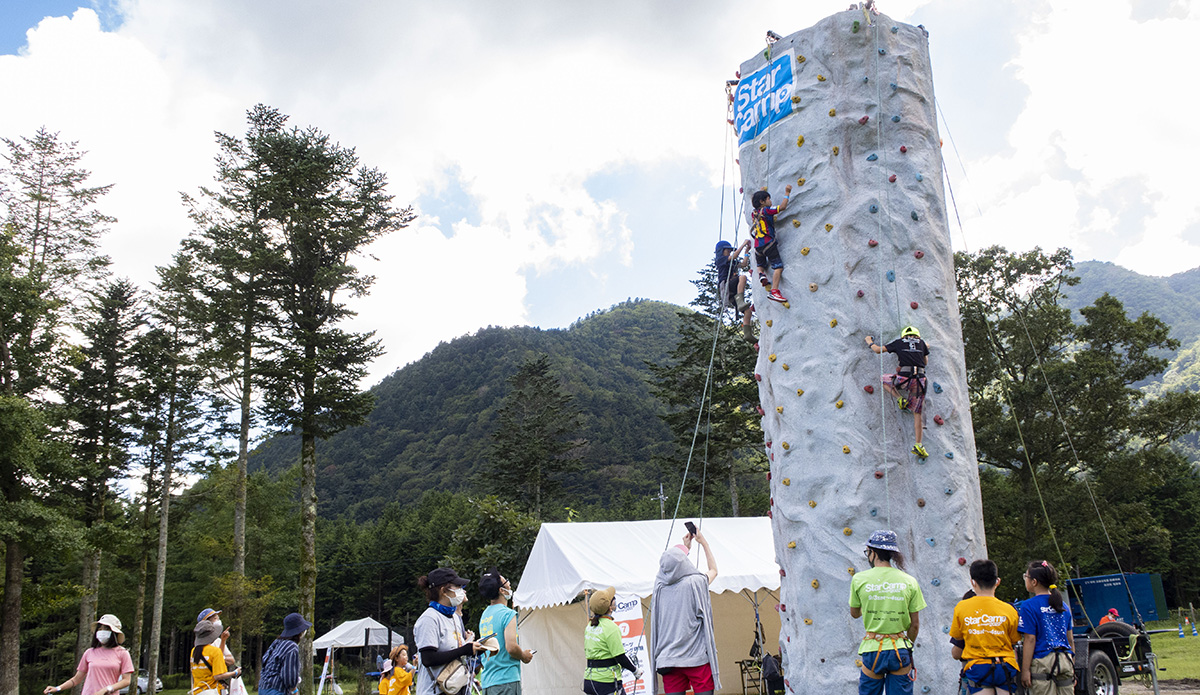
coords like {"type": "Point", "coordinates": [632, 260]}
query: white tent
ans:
{"type": "Point", "coordinates": [568, 558]}
{"type": "Point", "coordinates": [365, 632]}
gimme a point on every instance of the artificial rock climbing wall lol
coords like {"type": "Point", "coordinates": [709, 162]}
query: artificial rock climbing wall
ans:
{"type": "Point", "coordinates": [844, 112]}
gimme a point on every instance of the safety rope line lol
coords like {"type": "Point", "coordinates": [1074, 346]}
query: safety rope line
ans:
{"type": "Point", "coordinates": [1005, 386]}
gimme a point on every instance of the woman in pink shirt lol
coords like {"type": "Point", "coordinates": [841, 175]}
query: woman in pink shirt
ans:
{"type": "Point", "coordinates": [106, 667]}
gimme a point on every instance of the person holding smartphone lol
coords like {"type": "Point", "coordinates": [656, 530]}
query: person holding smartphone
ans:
{"type": "Point", "coordinates": [683, 648]}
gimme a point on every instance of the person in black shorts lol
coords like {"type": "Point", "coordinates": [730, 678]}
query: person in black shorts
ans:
{"type": "Point", "coordinates": [908, 384]}
{"type": "Point", "coordinates": [731, 285]}
{"type": "Point", "coordinates": [766, 251]}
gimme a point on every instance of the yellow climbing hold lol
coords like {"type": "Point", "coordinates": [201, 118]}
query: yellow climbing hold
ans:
{"type": "Point", "coordinates": [816, 584]}
{"type": "Point", "coordinates": [850, 570]}
{"type": "Point", "coordinates": [785, 367]}
{"type": "Point", "coordinates": [858, 663]}
{"type": "Point", "coordinates": [829, 228]}
{"type": "Point", "coordinates": [804, 251]}
{"type": "Point", "coordinates": [800, 141]}
{"type": "Point", "coordinates": [800, 182]}
{"type": "Point", "coordinates": [762, 147]}
{"type": "Point", "coordinates": [791, 544]}
{"type": "Point", "coordinates": [832, 112]}
{"type": "Point", "coordinates": [808, 621]}
{"type": "Point", "coordinates": [839, 404]}
{"type": "Point", "coordinates": [812, 503]}
{"type": "Point", "coordinates": [799, 392]}
{"type": "Point", "coordinates": [769, 323]}
{"type": "Point", "coordinates": [800, 59]}
{"type": "Point", "coordinates": [833, 323]}
{"type": "Point", "coordinates": [787, 481]}
{"type": "Point", "coordinates": [835, 150]}
{"type": "Point", "coordinates": [845, 449]}
{"type": "Point", "coordinates": [779, 409]}
{"type": "Point", "coordinates": [795, 100]}
{"type": "Point", "coordinates": [848, 531]}
{"type": "Point", "coordinates": [787, 305]}
{"type": "Point", "coordinates": [820, 78]}
{"type": "Point", "coordinates": [795, 223]}
{"type": "Point", "coordinates": [786, 445]}
{"type": "Point", "coordinates": [771, 357]}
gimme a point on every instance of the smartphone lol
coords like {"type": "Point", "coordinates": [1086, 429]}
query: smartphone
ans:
{"type": "Point", "coordinates": [690, 527]}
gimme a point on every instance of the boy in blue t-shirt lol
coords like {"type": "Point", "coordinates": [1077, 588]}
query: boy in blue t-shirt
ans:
{"type": "Point", "coordinates": [1048, 657]}
{"type": "Point", "coordinates": [731, 285]}
{"type": "Point", "coordinates": [766, 251]}
{"type": "Point", "coordinates": [498, 631]}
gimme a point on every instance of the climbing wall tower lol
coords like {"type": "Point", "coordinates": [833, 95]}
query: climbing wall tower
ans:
{"type": "Point", "coordinates": [844, 112]}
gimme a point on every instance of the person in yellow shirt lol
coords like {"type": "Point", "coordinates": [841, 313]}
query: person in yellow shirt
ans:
{"type": "Point", "coordinates": [208, 661]}
{"type": "Point", "coordinates": [396, 678]}
{"type": "Point", "coordinates": [983, 634]}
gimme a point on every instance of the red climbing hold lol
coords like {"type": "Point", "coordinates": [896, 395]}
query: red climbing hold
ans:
{"type": "Point", "coordinates": [783, 607]}
{"type": "Point", "coordinates": [756, 347]}
{"type": "Point", "coordinates": [758, 377]}
{"type": "Point", "coordinates": [892, 178]}
{"type": "Point", "coordinates": [740, 190]}
{"type": "Point", "coordinates": [878, 475]}
{"type": "Point", "coordinates": [869, 388]}
{"type": "Point", "coordinates": [903, 149]}
{"type": "Point", "coordinates": [768, 474]}
{"type": "Point", "coordinates": [782, 573]}
{"type": "Point", "coordinates": [918, 254]}
{"type": "Point", "coordinates": [772, 501]}
{"type": "Point", "coordinates": [738, 73]}
{"type": "Point", "coordinates": [769, 515]}
{"type": "Point", "coordinates": [863, 120]}
{"type": "Point", "coordinates": [962, 560]}
{"type": "Point", "coordinates": [872, 243]}
{"type": "Point", "coordinates": [760, 410]}
{"type": "Point", "coordinates": [938, 419]}
{"type": "Point", "coordinates": [768, 446]}
{"type": "Point", "coordinates": [860, 294]}
{"type": "Point", "coordinates": [913, 304]}
{"type": "Point", "coordinates": [729, 121]}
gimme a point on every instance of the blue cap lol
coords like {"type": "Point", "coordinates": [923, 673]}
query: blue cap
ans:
{"type": "Point", "coordinates": [205, 614]}
{"type": "Point", "coordinates": [883, 540]}
{"type": "Point", "coordinates": [722, 245]}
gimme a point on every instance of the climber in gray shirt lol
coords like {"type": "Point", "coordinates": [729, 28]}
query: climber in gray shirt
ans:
{"type": "Point", "coordinates": [683, 648]}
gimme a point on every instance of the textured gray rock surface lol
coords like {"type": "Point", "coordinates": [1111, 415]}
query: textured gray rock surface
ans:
{"type": "Point", "coordinates": [825, 503]}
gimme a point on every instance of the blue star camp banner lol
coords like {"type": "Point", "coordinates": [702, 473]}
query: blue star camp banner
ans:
{"type": "Point", "coordinates": [763, 98]}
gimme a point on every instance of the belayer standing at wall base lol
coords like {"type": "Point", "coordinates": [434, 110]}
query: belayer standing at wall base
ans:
{"type": "Point", "coordinates": [908, 384]}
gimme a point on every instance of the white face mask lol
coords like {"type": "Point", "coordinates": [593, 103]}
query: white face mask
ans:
{"type": "Point", "coordinates": [457, 597]}
{"type": "Point", "coordinates": [103, 636]}
{"type": "Point", "coordinates": [219, 625]}
{"type": "Point", "coordinates": [506, 593]}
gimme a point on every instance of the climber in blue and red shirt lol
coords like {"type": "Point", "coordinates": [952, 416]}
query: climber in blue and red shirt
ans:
{"type": "Point", "coordinates": [766, 251]}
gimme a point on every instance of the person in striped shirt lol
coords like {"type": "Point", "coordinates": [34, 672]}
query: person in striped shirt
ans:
{"type": "Point", "coordinates": [281, 664]}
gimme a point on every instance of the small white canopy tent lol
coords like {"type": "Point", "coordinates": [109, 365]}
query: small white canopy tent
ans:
{"type": "Point", "coordinates": [365, 632]}
{"type": "Point", "coordinates": [569, 558]}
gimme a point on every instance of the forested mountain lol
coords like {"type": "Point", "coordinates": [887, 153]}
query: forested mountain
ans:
{"type": "Point", "coordinates": [433, 419]}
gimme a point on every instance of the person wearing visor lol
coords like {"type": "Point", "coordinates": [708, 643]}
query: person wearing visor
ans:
{"type": "Point", "coordinates": [908, 384]}
{"type": "Point", "coordinates": [602, 647]}
{"type": "Point", "coordinates": [104, 668]}
{"type": "Point", "coordinates": [888, 600]}
{"type": "Point", "coordinates": [439, 633]}
{"type": "Point", "coordinates": [214, 616]}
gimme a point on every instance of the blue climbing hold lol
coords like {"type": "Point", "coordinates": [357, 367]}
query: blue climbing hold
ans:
{"type": "Point", "coordinates": [930, 541]}
{"type": "Point", "coordinates": [882, 52]}
{"type": "Point", "coordinates": [872, 157]}
{"type": "Point", "coordinates": [895, 29]}
{"type": "Point", "coordinates": [891, 276]}
{"type": "Point", "coordinates": [874, 209]}
{"type": "Point", "coordinates": [865, 80]}
{"type": "Point", "coordinates": [949, 491]}
{"type": "Point", "coordinates": [920, 177]}
{"type": "Point", "coordinates": [893, 86]}
{"type": "Point", "coordinates": [937, 388]}
{"type": "Point", "coordinates": [935, 581]}
{"type": "Point", "coordinates": [913, 215]}
{"type": "Point", "coordinates": [874, 512]}
{"type": "Point", "coordinates": [945, 631]}
{"type": "Point", "coordinates": [949, 454]}
{"type": "Point", "coordinates": [925, 688]}
{"type": "Point", "coordinates": [895, 119]}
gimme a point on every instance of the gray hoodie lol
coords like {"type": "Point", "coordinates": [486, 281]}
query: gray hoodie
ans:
{"type": "Point", "coordinates": [681, 626]}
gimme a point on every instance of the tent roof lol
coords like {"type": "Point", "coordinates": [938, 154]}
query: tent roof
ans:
{"type": "Point", "coordinates": [353, 633]}
{"type": "Point", "coordinates": [568, 558]}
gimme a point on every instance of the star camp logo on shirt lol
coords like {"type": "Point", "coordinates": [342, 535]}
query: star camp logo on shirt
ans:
{"type": "Point", "coordinates": [886, 587]}
{"type": "Point", "coordinates": [985, 620]}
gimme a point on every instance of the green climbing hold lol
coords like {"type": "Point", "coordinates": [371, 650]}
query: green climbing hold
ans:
{"type": "Point", "coordinates": [855, 29]}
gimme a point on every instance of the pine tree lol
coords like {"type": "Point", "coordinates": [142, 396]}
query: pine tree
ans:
{"type": "Point", "coordinates": [533, 445]}
{"type": "Point", "coordinates": [722, 431]}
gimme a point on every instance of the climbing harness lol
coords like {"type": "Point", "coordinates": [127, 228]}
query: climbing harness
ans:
{"type": "Point", "coordinates": [873, 673]}
{"type": "Point", "coordinates": [987, 681]}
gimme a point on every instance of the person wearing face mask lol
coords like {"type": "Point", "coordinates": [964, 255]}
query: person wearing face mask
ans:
{"type": "Point", "coordinates": [439, 633]}
{"type": "Point", "coordinates": [209, 674]}
{"type": "Point", "coordinates": [106, 667]}
{"type": "Point", "coordinates": [214, 617]}
{"type": "Point", "coordinates": [498, 631]}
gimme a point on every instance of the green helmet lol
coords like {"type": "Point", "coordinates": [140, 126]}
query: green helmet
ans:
{"type": "Point", "coordinates": [910, 330]}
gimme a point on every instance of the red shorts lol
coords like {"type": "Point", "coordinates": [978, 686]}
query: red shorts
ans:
{"type": "Point", "coordinates": [698, 678]}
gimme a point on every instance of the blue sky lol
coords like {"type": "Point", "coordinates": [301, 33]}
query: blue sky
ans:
{"type": "Point", "coordinates": [564, 157]}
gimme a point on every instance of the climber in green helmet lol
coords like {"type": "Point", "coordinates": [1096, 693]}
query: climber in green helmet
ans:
{"type": "Point", "coordinates": [908, 384]}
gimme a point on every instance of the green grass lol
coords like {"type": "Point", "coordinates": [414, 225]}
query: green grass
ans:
{"type": "Point", "coordinates": [1181, 657]}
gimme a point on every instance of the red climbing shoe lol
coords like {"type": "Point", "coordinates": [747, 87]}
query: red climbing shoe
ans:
{"type": "Point", "coordinates": [776, 296]}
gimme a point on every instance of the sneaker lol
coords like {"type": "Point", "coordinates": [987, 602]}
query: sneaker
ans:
{"type": "Point", "coordinates": [748, 332]}
{"type": "Point", "coordinates": [776, 296]}
{"type": "Point", "coordinates": [920, 451]}
{"type": "Point", "coordinates": [902, 402]}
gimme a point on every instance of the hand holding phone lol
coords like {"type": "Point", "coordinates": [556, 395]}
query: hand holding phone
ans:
{"type": "Point", "coordinates": [690, 527]}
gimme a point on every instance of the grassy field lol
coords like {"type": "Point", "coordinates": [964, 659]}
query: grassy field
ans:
{"type": "Point", "coordinates": [1181, 657]}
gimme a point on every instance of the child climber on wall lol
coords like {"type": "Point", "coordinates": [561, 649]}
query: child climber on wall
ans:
{"type": "Point", "coordinates": [908, 384]}
{"type": "Point", "coordinates": [766, 251]}
{"type": "Point", "coordinates": [731, 285]}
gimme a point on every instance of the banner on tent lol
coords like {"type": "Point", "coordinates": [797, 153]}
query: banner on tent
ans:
{"type": "Point", "coordinates": [627, 614]}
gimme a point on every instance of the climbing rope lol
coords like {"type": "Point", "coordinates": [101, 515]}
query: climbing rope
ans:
{"type": "Point", "coordinates": [1049, 391]}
